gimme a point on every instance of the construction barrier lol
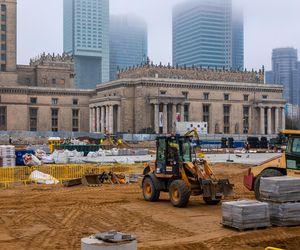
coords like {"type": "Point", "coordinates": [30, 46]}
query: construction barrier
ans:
{"type": "Point", "coordinates": [14, 175]}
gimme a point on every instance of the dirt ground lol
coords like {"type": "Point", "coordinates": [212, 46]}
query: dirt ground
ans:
{"type": "Point", "coordinates": [54, 217]}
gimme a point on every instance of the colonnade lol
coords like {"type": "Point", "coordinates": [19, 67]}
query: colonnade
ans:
{"type": "Point", "coordinates": [272, 119]}
{"type": "Point", "coordinates": [105, 119]}
{"type": "Point", "coordinates": [164, 123]}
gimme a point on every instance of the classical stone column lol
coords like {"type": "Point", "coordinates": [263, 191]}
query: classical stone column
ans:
{"type": "Point", "coordinates": [269, 119]}
{"type": "Point", "coordinates": [106, 119]}
{"type": "Point", "coordinates": [276, 120]}
{"type": "Point", "coordinates": [102, 119]}
{"type": "Point", "coordinates": [111, 119]}
{"type": "Point", "coordinates": [182, 112]}
{"type": "Point", "coordinates": [283, 118]}
{"type": "Point", "coordinates": [91, 119]}
{"type": "Point", "coordinates": [98, 119]}
{"type": "Point", "coordinates": [165, 119]}
{"type": "Point", "coordinates": [156, 118]}
{"type": "Point", "coordinates": [119, 118]}
{"type": "Point", "coordinates": [262, 120]}
{"type": "Point", "coordinates": [250, 127]}
{"type": "Point", "coordinates": [173, 117]}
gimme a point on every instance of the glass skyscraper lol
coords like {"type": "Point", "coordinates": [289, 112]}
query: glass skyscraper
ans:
{"type": "Point", "coordinates": [205, 34]}
{"type": "Point", "coordinates": [285, 71]}
{"type": "Point", "coordinates": [86, 37]}
{"type": "Point", "coordinates": [128, 43]}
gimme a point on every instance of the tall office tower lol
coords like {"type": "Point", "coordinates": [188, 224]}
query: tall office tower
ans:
{"type": "Point", "coordinates": [8, 41]}
{"type": "Point", "coordinates": [237, 37]}
{"type": "Point", "coordinates": [205, 34]}
{"type": "Point", "coordinates": [86, 37]}
{"type": "Point", "coordinates": [128, 43]}
{"type": "Point", "coordinates": [285, 68]}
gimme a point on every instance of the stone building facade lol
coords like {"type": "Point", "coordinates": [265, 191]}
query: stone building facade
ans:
{"type": "Point", "coordinates": [151, 97]}
{"type": "Point", "coordinates": [54, 71]}
{"type": "Point", "coordinates": [44, 109]}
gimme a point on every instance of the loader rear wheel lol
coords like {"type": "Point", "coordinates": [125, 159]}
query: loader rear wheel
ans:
{"type": "Point", "coordinates": [265, 173]}
{"type": "Point", "coordinates": [150, 192]}
{"type": "Point", "coordinates": [210, 201]}
{"type": "Point", "coordinates": [179, 193]}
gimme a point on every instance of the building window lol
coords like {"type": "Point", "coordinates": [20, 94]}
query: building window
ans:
{"type": "Point", "coordinates": [185, 94]}
{"type": "Point", "coordinates": [3, 57]}
{"type": "Point", "coordinates": [33, 119]}
{"type": "Point", "coordinates": [53, 81]}
{"type": "Point", "coordinates": [27, 80]}
{"type": "Point", "coordinates": [3, 67]}
{"type": "Point", "coordinates": [226, 116]}
{"type": "Point", "coordinates": [3, 37]}
{"type": "Point", "coordinates": [226, 97]}
{"type": "Point", "coordinates": [33, 100]}
{"type": "Point", "coordinates": [44, 81]}
{"type": "Point", "coordinates": [245, 120]}
{"type": "Point", "coordinates": [75, 120]}
{"type": "Point", "coordinates": [3, 7]}
{"type": "Point", "coordinates": [3, 27]}
{"type": "Point", "coordinates": [3, 118]}
{"type": "Point", "coordinates": [163, 92]}
{"type": "Point", "coordinates": [3, 18]}
{"type": "Point", "coordinates": [264, 97]}
{"type": "Point", "coordinates": [246, 98]}
{"type": "Point", "coordinates": [54, 101]}
{"type": "Point", "coordinates": [75, 102]}
{"type": "Point", "coordinates": [186, 113]}
{"type": "Point", "coordinates": [3, 47]}
{"type": "Point", "coordinates": [205, 96]}
{"type": "Point", "coordinates": [54, 120]}
{"type": "Point", "coordinates": [206, 115]}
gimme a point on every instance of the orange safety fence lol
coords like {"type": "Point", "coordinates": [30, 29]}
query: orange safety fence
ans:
{"type": "Point", "coordinates": [13, 175]}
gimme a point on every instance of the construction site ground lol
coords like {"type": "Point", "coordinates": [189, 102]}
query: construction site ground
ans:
{"type": "Point", "coordinates": [55, 217]}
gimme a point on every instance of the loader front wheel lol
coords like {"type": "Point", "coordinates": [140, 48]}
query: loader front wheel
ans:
{"type": "Point", "coordinates": [150, 192]}
{"type": "Point", "coordinates": [210, 201]}
{"type": "Point", "coordinates": [179, 193]}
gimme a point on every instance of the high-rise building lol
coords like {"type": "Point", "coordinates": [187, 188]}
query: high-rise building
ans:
{"type": "Point", "coordinates": [285, 71]}
{"type": "Point", "coordinates": [127, 44]}
{"type": "Point", "coordinates": [237, 37]}
{"type": "Point", "coordinates": [8, 41]}
{"type": "Point", "coordinates": [86, 37]}
{"type": "Point", "coordinates": [205, 34]}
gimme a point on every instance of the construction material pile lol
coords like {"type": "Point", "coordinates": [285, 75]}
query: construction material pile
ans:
{"type": "Point", "coordinates": [282, 194]}
{"type": "Point", "coordinates": [7, 156]}
{"type": "Point", "coordinates": [245, 214]}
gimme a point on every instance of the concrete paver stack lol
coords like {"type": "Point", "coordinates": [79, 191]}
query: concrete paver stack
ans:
{"type": "Point", "coordinates": [282, 194]}
{"type": "Point", "coordinates": [245, 214]}
{"type": "Point", "coordinates": [7, 156]}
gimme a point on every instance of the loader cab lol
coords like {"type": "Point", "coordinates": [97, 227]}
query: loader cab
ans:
{"type": "Point", "coordinates": [292, 153]}
{"type": "Point", "coordinates": [171, 152]}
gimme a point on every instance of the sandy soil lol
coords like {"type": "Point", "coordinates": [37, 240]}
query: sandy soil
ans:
{"type": "Point", "coordinates": [54, 217]}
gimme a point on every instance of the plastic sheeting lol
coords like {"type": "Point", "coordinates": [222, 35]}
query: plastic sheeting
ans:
{"type": "Point", "coordinates": [42, 178]}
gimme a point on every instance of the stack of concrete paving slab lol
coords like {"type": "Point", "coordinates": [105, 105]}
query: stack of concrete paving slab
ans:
{"type": "Point", "coordinates": [283, 196]}
{"type": "Point", "coordinates": [7, 156]}
{"type": "Point", "coordinates": [246, 214]}
{"type": "Point", "coordinates": [280, 189]}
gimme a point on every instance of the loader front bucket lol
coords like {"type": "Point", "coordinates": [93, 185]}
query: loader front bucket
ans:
{"type": "Point", "coordinates": [226, 188]}
{"type": "Point", "coordinates": [91, 180]}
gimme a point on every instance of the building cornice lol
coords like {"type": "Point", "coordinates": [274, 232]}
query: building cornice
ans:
{"type": "Point", "coordinates": [190, 84]}
{"type": "Point", "coordinates": [45, 91]}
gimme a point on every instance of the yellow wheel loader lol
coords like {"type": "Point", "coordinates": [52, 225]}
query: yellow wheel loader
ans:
{"type": "Point", "coordinates": [286, 164]}
{"type": "Point", "coordinates": [175, 172]}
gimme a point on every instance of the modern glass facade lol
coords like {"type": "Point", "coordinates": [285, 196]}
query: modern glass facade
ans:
{"type": "Point", "coordinates": [285, 71]}
{"type": "Point", "coordinates": [206, 35]}
{"type": "Point", "coordinates": [86, 37]}
{"type": "Point", "coordinates": [128, 43]}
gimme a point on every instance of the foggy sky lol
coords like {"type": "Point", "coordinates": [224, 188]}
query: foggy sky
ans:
{"type": "Point", "coordinates": [268, 24]}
